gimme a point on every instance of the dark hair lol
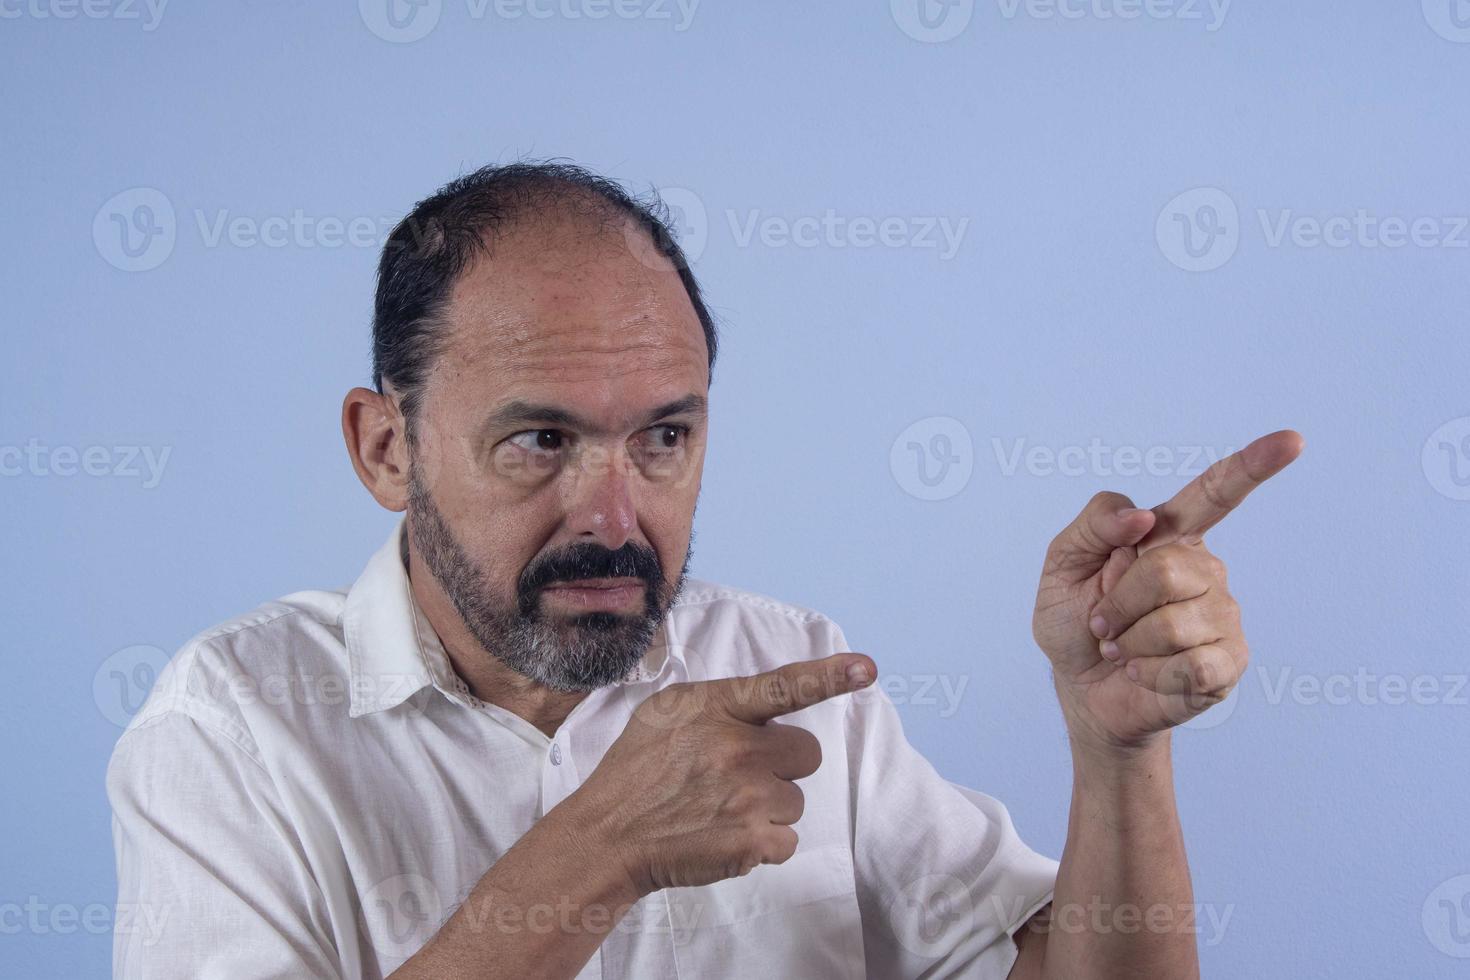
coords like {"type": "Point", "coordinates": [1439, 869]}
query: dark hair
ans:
{"type": "Point", "coordinates": [436, 241]}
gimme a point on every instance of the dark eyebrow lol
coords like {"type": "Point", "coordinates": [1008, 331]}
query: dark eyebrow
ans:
{"type": "Point", "coordinates": [522, 413]}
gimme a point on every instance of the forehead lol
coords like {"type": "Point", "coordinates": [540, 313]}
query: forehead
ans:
{"type": "Point", "coordinates": [574, 311]}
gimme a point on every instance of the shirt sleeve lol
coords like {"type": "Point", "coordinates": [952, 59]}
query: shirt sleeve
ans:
{"type": "Point", "coordinates": [211, 880]}
{"type": "Point", "coordinates": [944, 880]}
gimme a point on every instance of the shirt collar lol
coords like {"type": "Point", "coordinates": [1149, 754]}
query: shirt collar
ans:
{"type": "Point", "coordinates": [393, 651]}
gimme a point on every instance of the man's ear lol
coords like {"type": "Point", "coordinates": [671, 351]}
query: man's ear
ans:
{"type": "Point", "coordinates": [377, 441]}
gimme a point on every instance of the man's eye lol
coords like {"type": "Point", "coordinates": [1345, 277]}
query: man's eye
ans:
{"type": "Point", "coordinates": [538, 440]}
{"type": "Point", "coordinates": [663, 438]}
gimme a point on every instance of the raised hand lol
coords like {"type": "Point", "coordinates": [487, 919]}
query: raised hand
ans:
{"type": "Point", "coordinates": [698, 788]}
{"type": "Point", "coordinates": [1133, 609]}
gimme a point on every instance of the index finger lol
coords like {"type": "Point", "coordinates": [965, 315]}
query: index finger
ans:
{"type": "Point", "coordinates": [1217, 491]}
{"type": "Point", "coordinates": [759, 698]}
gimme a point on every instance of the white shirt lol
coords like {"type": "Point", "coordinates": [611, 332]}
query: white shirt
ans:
{"type": "Point", "coordinates": [310, 790]}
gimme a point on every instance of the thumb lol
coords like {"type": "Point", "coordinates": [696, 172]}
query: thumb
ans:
{"type": "Point", "coordinates": [759, 698]}
{"type": "Point", "coordinates": [1109, 521]}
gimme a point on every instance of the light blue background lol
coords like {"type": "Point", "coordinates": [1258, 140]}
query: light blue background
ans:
{"type": "Point", "coordinates": [1328, 827]}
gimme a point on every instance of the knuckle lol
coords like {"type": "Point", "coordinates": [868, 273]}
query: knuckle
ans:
{"type": "Point", "coordinates": [1207, 676]}
{"type": "Point", "coordinates": [1171, 628]}
{"type": "Point", "coordinates": [743, 800]}
{"type": "Point", "coordinates": [778, 845]}
{"type": "Point", "coordinates": [1169, 573]}
{"type": "Point", "coordinates": [736, 754]}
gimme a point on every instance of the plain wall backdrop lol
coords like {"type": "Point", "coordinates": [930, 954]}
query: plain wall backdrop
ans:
{"type": "Point", "coordinates": [973, 262]}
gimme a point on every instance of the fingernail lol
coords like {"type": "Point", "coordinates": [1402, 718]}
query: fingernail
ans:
{"type": "Point", "coordinates": [1128, 512]}
{"type": "Point", "coordinates": [1109, 649]}
{"type": "Point", "coordinates": [857, 675]}
{"type": "Point", "coordinates": [1132, 671]}
{"type": "Point", "coordinates": [1099, 626]}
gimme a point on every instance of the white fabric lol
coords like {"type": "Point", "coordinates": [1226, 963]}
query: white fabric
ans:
{"type": "Point", "coordinates": [310, 790]}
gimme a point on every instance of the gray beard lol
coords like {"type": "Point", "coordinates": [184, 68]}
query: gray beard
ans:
{"type": "Point", "coordinates": [574, 654]}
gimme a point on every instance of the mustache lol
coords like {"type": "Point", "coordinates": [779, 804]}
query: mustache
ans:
{"type": "Point", "coordinates": [588, 560]}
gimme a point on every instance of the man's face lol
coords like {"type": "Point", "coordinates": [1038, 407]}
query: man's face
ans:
{"type": "Point", "coordinates": [561, 439]}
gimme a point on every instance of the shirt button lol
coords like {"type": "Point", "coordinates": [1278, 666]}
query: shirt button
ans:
{"type": "Point", "coordinates": [555, 754]}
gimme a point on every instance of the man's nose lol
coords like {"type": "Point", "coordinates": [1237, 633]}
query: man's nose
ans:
{"type": "Point", "coordinates": [602, 502]}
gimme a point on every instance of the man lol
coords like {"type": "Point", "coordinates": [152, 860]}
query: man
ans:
{"type": "Point", "coordinates": [525, 744]}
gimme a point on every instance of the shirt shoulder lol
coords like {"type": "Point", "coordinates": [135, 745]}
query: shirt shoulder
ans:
{"type": "Point", "coordinates": [245, 658]}
{"type": "Point", "coordinates": [730, 631]}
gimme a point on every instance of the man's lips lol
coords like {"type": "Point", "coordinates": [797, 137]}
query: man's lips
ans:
{"type": "Point", "coordinates": [598, 593]}
{"type": "Point", "coordinates": [599, 583]}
